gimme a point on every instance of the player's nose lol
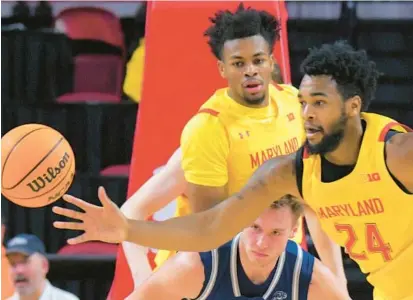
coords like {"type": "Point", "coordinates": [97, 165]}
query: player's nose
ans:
{"type": "Point", "coordinates": [308, 113]}
{"type": "Point", "coordinates": [262, 242]}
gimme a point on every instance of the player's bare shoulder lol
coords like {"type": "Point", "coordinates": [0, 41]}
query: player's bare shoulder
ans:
{"type": "Point", "coordinates": [399, 158]}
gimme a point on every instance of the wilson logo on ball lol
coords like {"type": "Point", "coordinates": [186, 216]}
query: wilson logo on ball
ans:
{"type": "Point", "coordinates": [52, 172]}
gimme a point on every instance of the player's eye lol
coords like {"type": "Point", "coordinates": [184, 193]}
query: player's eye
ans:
{"type": "Point", "coordinates": [255, 227]}
{"type": "Point", "coordinates": [238, 64]}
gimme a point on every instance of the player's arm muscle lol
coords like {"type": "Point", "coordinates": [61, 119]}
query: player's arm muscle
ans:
{"type": "Point", "coordinates": [158, 191]}
{"type": "Point", "coordinates": [202, 197]}
{"type": "Point", "coordinates": [324, 285]}
{"type": "Point", "coordinates": [399, 151]}
{"type": "Point", "coordinates": [329, 252]}
{"type": "Point", "coordinates": [181, 276]}
{"type": "Point", "coordinates": [209, 229]}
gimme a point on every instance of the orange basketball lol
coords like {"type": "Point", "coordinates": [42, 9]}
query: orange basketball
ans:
{"type": "Point", "coordinates": [37, 165]}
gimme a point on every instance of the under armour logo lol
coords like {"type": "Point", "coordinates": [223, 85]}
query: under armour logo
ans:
{"type": "Point", "coordinates": [242, 134]}
{"type": "Point", "coordinates": [290, 117]}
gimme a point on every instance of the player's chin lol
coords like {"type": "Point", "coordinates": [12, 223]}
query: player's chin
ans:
{"type": "Point", "coordinates": [255, 99]}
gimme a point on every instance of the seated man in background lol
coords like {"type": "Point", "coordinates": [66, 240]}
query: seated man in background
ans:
{"type": "Point", "coordinates": [28, 269]}
{"type": "Point", "coordinates": [260, 263]}
{"type": "Point", "coordinates": [7, 288]}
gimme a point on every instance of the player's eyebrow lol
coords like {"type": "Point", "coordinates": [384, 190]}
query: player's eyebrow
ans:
{"type": "Point", "coordinates": [315, 94]}
{"type": "Point", "coordinates": [240, 57]}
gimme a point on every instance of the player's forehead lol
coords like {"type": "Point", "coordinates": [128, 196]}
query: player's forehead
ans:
{"type": "Point", "coordinates": [317, 85]}
{"type": "Point", "coordinates": [275, 218]}
{"type": "Point", "coordinates": [245, 47]}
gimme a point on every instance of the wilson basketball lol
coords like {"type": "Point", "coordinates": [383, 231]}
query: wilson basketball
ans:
{"type": "Point", "coordinates": [37, 165]}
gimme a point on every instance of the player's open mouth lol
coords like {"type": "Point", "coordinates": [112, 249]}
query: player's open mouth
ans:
{"type": "Point", "coordinates": [312, 131]}
{"type": "Point", "coordinates": [253, 88]}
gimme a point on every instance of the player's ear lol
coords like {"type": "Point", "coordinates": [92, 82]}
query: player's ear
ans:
{"type": "Point", "coordinates": [221, 69]}
{"type": "Point", "coordinates": [272, 61]}
{"type": "Point", "coordinates": [293, 232]}
{"type": "Point", "coordinates": [354, 106]}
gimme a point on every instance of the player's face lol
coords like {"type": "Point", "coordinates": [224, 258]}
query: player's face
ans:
{"type": "Point", "coordinates": [247, 64]}
{"type": "Point", "coordinates": [267, 237]}
{"type": "Point", "coordinates": [324, 113]}
{"type": "Point", "coordinates": [27, 272]}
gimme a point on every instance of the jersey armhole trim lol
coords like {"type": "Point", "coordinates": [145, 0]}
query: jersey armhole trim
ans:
{"type": "Point", "coordinates": [210, 111]}
{"type": "Point", "coordinates": [297, 274]}
{"type": "Point", "coordinates": [388, 127]}
{"type": "Point", "coordinates": [212, 277]}
{"type": "Point", "coordinates": [299, 169]}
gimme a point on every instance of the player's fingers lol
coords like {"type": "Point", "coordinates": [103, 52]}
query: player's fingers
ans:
{"type": "Point", "coordinates": [103, 197]}
{"type": "Point", "coordinates": [77, 202]}
{"type": "Point", "coordinates": [79, 239]}
{"type": "Point", "coordinates": [68, 225]}
{"type": "Point", "coordinates": [68, 213]}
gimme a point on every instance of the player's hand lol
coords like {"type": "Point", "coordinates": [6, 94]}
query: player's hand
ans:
{"type": "Point", "coordinates": [102, 223]}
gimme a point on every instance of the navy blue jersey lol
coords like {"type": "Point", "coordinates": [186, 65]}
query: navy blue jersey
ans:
{"type": "Point", "coordinates": [225, 277]}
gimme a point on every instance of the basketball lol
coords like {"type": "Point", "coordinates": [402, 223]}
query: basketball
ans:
{"type": "Point", "coordinates": [38, 165]}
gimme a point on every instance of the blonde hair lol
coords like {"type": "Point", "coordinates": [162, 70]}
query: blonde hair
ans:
{"type": "Point", "coordinates": [297, 208]}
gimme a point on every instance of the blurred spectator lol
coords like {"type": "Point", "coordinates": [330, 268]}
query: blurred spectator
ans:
{"type": "Point", "coordinates": [29, 267]}
{"type": "Point", "coordinates": [7, 288]}
{"type": "Point", "coordinates": [43, 15]}
{"type": "Point", "coordinates": [132, 85]}
{"type": "Point", "coordinates": [276, 75]}
{"type": "Point", "coordinates": [21, 11]}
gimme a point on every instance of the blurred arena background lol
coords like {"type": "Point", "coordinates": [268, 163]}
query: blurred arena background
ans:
{"type": "Point", "coordinates": [64, 65]}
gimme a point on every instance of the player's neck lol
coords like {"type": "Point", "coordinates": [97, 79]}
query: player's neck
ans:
{"type": "Point", "coordinates": [256, 274]}
{"type": "Point", "coordinates": [348, 151]}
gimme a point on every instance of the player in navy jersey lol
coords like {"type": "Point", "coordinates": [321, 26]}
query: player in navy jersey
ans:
{"type": "Point", "coordinates": [259, 263]}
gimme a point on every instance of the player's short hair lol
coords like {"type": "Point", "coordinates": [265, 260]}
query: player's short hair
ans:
{"type": "Point", "coordinates": [290, 201]}
{"type": "Point", "coordinates": [243, 23]}
{"type": "Point", "coordinates": [352, 70]}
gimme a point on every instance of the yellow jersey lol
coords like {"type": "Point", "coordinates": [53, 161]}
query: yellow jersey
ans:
{"type": "Point", "coordinates": [367, 212]}
{"type": "Point", "coordinates": [225, 142]}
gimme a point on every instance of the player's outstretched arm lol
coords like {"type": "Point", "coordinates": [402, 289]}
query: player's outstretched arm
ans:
{"type": "Point", "coordinates": [399, 159]}
{"type": "Point", "coordinates": [324, 284]}
{"type": "Point", "coordinates": [181, 276]}
{"type": "Point", "coordinates": [196, 232]}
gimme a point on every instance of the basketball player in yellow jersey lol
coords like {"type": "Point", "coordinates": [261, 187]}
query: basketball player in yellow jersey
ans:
{"type": "Point", "coordinates": [355, 173]}
{"type": "Point", "coordinates": [243, 125]}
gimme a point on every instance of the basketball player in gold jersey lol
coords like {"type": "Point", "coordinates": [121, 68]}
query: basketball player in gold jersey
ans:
{"type": "Point", "coordinates": [355, 173]}
{"type": "Point", "coordinates": [243, 125]}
